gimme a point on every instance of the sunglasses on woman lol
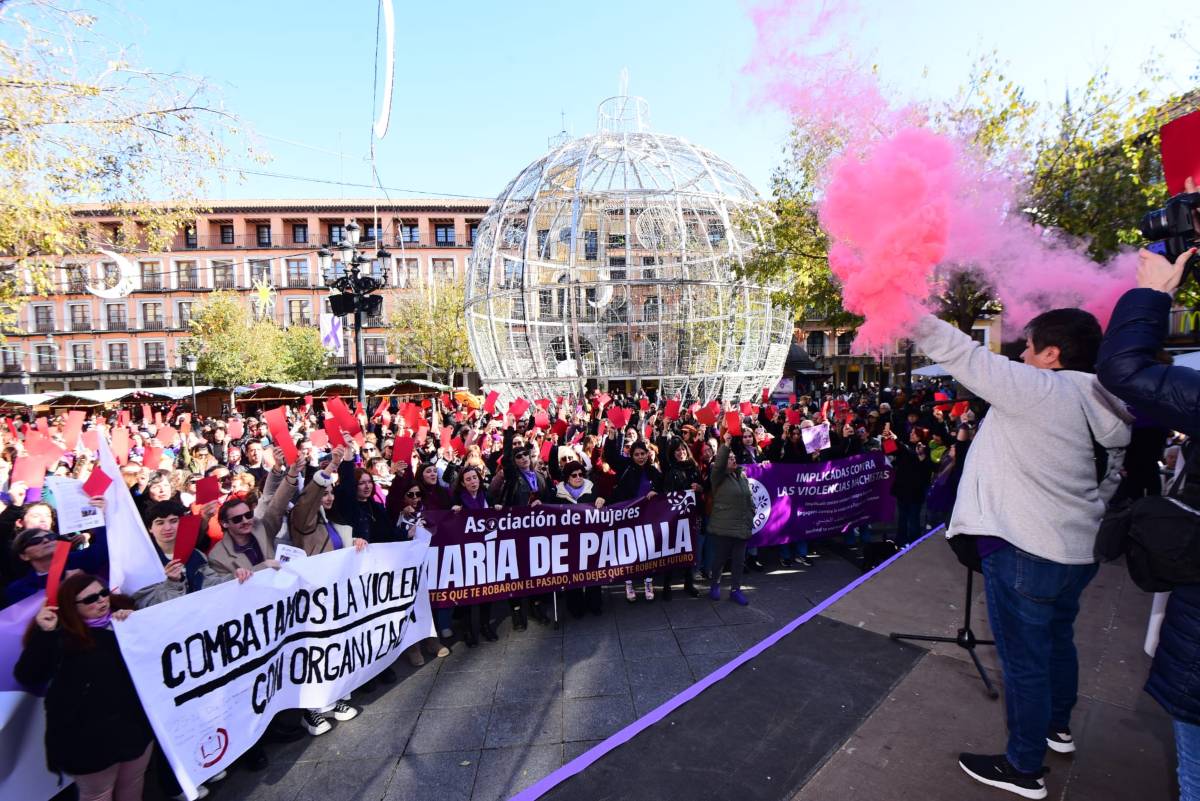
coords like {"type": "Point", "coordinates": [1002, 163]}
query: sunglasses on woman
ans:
{"type": "Point", "coordinates": [575, 474]}
{"type": "Point", "coordinates": [412, 495]}
{"type": "Point", "coordinates": [39, 539]}
{"type": "Point", "coordinates": [88, 600]}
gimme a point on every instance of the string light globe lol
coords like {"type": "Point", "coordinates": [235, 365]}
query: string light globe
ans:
{"type": "Point", "coordinates": [612, 259]}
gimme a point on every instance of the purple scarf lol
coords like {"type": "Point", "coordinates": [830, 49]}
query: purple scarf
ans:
{"type": "Point", "coordinates": [477, 501]}
{"type": "Point", "coordinates": [334, 537]}
{"type": "Point", "coordinates": [100, 622]}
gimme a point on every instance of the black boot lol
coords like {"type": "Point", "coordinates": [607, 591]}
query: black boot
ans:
{"type": "Point", "coordinates": [689, 584]}
{"type": "Point", "coordinates": [471, 638]}
{"type": "Point", "coordinates": [520, 621]}
{"type": "Point", "coordinates": [488, 632]}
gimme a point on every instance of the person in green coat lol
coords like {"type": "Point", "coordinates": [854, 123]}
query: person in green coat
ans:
{"type": "Point", "coordinates": [731, 521]}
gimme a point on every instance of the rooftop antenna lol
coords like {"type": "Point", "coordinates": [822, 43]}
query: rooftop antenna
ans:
{"type": "Point", "coordinates": [562, 137]}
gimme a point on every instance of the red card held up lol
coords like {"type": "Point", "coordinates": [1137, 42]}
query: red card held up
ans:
{"type": "Point", "coordinates": [152, 457]}
{"type": "Point", "coordinates": [73, 428]}
{"type": "Point", "coordinates": [541, 420]}
{"type": "Point", "coordinates": [890, 446]}
{"type": "Point", "coordinates": [402, 449]}
{"type": "Point", "coordinates": [120, 445]}
{"type": "Point", "coordinates": [444, 437]}
{"type": "Point", "coordinates": [208, 489]}
{"type": "Point", "coordinates": [559, 428]}
{"type": "Point", "coordinates": [518, 408]}
{"type": "Point", "coordinates": [544, 453]}
{"type": "Point", "coordinates": [235, 428]}
{"type": "Point", "coordinates": [43, 425]}
{"type": "Point", "coordinates": [333, 433]}
{"type": "Point", "coordinates": [733, 423]}
{"type": "Point", "coordinates": [793, 416]}
{"type": "Point", "coordinates": [422, 434]}
{"type": "Point", "coordinates": [618, 416]}
{"type": "Point", "coordinates": [146, 415]}
{"type": "Point", "coordinates": [30, 471]}
{"type": "Point", "coordinates": [706, 416]}
{"type": "Point", "coordinates": [1179, 145]}
{"type": "Point", "coordinates": [672, 410]}
{"type": "Point", "coordinates": [97, 483]}
{"type": "Point", "coordinates": [960, 408]}
{"type": "Point", "coordinates": [644, 404]}
{"type": "Point", "coordinates": [746, 408]}
{"type": "Point", "coordinates": [185, 537]}
{"type": "Point", "coordinates": [489, 404]}
{"type": "Point", "coordinates": [280, 434]}
{"type": "Point", "coordinates": [166, 435]}
{"type": "Point", "coordinates": [58, 563]}
{"type": "Point", "coordinates": [319, 439]}
{"type": "Point", "coordinates": [766, 394]}
{"type": "Point", "coordinates": [542, 403]}
{"type": "Point", "coordinates": [458, 446]}
{"type": "Point", "coordinates": [91, 440]}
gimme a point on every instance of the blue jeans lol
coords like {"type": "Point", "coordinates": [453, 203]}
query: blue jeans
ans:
{"type": "Point", "coordinates": [1187, 746]}
{"type": "Point", "coordinates": [1032, 604]}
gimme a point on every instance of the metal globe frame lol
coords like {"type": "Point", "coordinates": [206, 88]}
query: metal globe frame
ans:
{"type": "Point", "coordinates": [614, 258]}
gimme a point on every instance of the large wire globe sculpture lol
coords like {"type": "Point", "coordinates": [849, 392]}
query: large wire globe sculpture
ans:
{"type": "Point", "coordinates": [612, 259]}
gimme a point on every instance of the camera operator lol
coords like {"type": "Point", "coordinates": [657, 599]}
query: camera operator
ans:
{"type": "Point", "coordinates": [1031, 499]}
{"type": "Point", "coordinates": [1128, 367]}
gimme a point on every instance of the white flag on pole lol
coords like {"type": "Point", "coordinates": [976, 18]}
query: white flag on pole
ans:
{"type": "Point", "coordinates": [132, 561]}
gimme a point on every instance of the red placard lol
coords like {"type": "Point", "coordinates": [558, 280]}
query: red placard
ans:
{"type": "Point", "coordinates": [152, 457]}
{"type": "Point", "coordinates": [185, 537]}
{"type": "Point", "coordinates": [489, 404]}
{"type": "Point", "coordinates": [1180, 148]}
{"type": "Point", "coordinates": [308, 402]}
{"type": "Point", "coordinates": [422, 434]}
{"type": "Point", "coordinates": [426, 403]}
{"type": "Point", "coordinates": [379, 409]}
{"type": "Point", "coordinates": [43, 425]}
{"type": "Point", "coordinates": [766, 394]}
{"type": "Point", "coordinates": [559, 428]}
{"type": "Point", "coordinates": [672, 410]}
{"type": "Point", "coordinates": [73, 428]}
{"type": "Point", "coordinates": [341, 412]}
{"type": "Point", "coordinates": [208, 489]}
{"type": "Point", "coordinates": [158, 418]}
{"type": "Point", "coordinates": [97, 483]}
{"type": "Point", "coordinates": [319, 439]}
{"type": "Point", "coordinates": [402, 449]}
{"type": "Point", "coordinates": [792, 398]}
{"type": "Point", "coordinates": [120, 445]}
{"type": "Point", "coordinates": [890, 446]}
{"type": "Point", "coordinates": [793, 416]}
{"type": "Point", "coordinates": [58, 563]}
{"type": "Point", "coordinates": [123, 417]}
{"type": "Point", "coordinates": [603, 400]}
{"type": "Point", "coordinates": [444, 436]}
{"type": "Point", "coordinates": [542, 403]}
{"type": "Point", "coordinates": [960, 408]}
{"type": "Point", "coordinates": [618, 417]}
{"type": "Point", "coordinates": [333, 433]}
{"type": "Point", "coordinates": [412, 416]}
{"type": "Point", "coordinates": [166, 435]}
{"type": "Point", "coordinates": [518, 408]}
{"type": "Point", "coordinates": [30, 471]}
{"type": "Point", "coordinates": [733, 423]}
{"type": "Point", "coordinates": [544, 453]}
{"type": "Point", "coordinates": [185, 424]}
{"type": "Point", "coordinates": [541, 420]}
{"type": "Point", "coordinates": [281, 435]}
{"type": "Point", "coordinates": [747, 408]}
{"type": "Point", "coordinates": [146, 415]}
{"type": "Point", "coordinates": [91, 440]}
{"type": "Point", "coordinates": [644, 404]}
{"type": "Point", "coordinates": [458, 446]}
{"type": "Point", "coordinates": [359, 411]}
{"type": "Point", "coordinates": [706, 416]}
{"type": "Point", "coordinates": [235, 428]}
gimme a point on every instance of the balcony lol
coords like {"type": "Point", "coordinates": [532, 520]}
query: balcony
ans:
{"type": "Point", "coordinates": [156, 364]}
{"type": "Point", "coordinates": [118, 364]}
{"type": "Point", "coordinates": [224, 283]}
{"type": "Point", "coordinates": [374, 322]}
{"type": "Point", "coordinates": [47, 367]}
{"type": "Point", "coordinates": [81, 325]}
{"type": "Point", "coordinates": [43, 326]}
{"type": "Point", "coordinates": [76, 286]}
{"type": "Point", "coordinates": [117, 325]}
{"type": "Point", "coordinates": [298, 281]}
{"type": "Point", "coordinates": [80, 365]}
{"type": "Point", "coordinates": [151, 284]}
{"type": "Point", "coordinates": [11, 368]}
{"type": "Point", "coordinates": [189, 282]}
{"type": "Point", "coordinates": [159, 324]}
{"type": "Point", "coordinates": [300, 321]}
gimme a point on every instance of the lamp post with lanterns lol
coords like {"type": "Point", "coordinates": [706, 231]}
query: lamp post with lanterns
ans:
{"type": "Point", "coordinates": [353, 292]}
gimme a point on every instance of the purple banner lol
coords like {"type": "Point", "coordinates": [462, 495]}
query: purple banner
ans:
{"type": "Point", "coordinates": [491, 555]}
{"type": "Point", "coordinates": [810, 501]}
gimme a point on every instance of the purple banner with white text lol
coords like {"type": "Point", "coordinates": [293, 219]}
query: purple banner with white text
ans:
{"type": "Point", "coordinates": [811, 501]}
{"type": "Point", "coordinates": [490, 555]}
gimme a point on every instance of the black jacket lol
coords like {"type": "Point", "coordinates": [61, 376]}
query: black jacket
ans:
{"type": "Point", "coordinates": [1127, 367]}
{"type": "Point", "coordinates": [94, 718]}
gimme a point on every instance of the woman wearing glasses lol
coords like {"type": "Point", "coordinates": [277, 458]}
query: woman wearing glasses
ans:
{"type": "Point", "coordinates": [406, 529]}
{"type": "Point", "coordinates": [575, 488]}
{"type": "Point", "coordinates": [471, 495]}
{"type": "Point", "coordinates": [96, 730]}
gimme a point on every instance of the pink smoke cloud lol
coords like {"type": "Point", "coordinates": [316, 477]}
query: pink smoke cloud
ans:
{"type": "Point", "coordinates": [903, 202]}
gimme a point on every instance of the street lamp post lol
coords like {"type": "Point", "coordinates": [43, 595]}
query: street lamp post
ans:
{"type": "Point", "coordinates": [353, 293]}
{"type": "Point", "coordinates": [190, 364]}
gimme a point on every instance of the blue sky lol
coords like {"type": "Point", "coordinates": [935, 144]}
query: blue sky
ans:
{"type": "Point", "coordinates": [480, 85]}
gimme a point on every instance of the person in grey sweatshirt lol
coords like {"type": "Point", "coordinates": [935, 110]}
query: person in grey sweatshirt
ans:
{"type": "Point", "coordinates": [1036, 482]}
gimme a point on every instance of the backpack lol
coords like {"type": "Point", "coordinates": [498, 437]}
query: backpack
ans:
{"type": "Point", "coordinates": [1159, 535]}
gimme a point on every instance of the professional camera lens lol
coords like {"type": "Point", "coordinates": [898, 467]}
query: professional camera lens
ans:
{"type": "Point", "coordinates": [1156, 224]}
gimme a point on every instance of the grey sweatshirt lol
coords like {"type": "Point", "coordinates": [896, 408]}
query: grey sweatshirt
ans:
{"type": "Point", "coordinates": [1030, 476]}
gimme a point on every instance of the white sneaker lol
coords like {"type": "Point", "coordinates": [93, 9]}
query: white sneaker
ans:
{"type": "Point", "coordinates": [630, 593]}
{"type": "Point", "coordinates": [1061, 742]}
{"type": "Point", "coordinates": [315, 722]}
{"type": "Point", "coordinates": [343, 711]}
{"type": "Point", "coordinates": [649, 584]}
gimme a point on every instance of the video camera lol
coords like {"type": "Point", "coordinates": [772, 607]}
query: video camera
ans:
{"type": "Point", "coordinates": [1174, 229]}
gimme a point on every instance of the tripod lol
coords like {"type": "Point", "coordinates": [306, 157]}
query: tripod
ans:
{"type": "Point", "coordinates": [965, 639]}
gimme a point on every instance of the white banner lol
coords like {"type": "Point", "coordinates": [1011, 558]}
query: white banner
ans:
{"type": "Point", "coordinates": [212, 668]}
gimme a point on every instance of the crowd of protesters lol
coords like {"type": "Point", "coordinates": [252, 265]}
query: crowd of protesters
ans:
{"type": "Point", "coordinates": [370, 489]}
